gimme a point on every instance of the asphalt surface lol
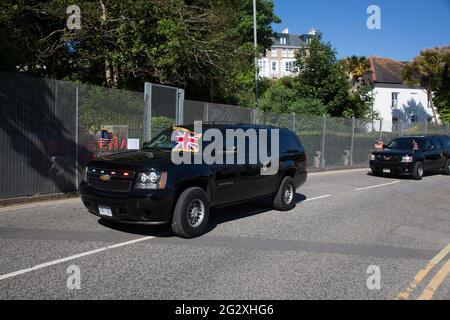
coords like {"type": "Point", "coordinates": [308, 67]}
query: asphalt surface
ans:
{"type": "Point", "coordinates": [344, 223]}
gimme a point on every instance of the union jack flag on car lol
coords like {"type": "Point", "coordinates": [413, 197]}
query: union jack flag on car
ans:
{"type": "Point", "coordinates": [185, 140]}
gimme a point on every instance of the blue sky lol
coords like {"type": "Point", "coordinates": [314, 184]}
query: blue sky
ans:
{"type": "Point", "coordinates": [407, 26]}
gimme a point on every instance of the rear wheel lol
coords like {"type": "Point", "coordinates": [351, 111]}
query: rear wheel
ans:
{"type": "Point", "coordinates": [284, 199]}
{"type": "Point", "coordinates": [446, 169]}
{"type": "Point", "coordinates": [191, 213]}
{"type": "Point", "coordinates": [418, 171]}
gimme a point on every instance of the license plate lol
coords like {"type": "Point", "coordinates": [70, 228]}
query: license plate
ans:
{"type": "Point", "coordinates": [386, 170]}
{"type": "Point", "coordinates": [105, 211]}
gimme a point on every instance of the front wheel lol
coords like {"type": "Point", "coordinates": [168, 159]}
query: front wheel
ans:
{"type": "Point", "coordinates": [191, 213]}
{"type": "Point", "coordinates": [284, 199]}
{"type": "Point", "coordinates": [418, 171]}
{"type": "Point", "coordinates": [446, 169]}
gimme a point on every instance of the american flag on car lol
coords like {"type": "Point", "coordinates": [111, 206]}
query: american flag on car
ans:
{"type": "Point", "coordinates": [185, 140]}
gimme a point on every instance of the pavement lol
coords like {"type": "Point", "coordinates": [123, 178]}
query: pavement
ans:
{"type": "Point", "coordinates": [351, 236]}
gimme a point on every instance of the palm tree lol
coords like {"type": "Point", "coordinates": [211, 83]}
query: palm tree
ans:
{"type": "Point", "coordinates": [356, 68]}
{"type": "Point", "coordinates": [426, 70]}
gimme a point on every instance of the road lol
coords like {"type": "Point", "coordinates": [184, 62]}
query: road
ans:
{"type": "Point", "coordinates": [345, 224]}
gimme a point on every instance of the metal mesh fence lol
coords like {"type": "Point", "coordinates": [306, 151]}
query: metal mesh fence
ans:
{"type": "Point", "coordinates": [50, 129]}
{"type": "Point", "coordinates": [329, 142]}
{"type": "Point", "coordinates": [37, 136]}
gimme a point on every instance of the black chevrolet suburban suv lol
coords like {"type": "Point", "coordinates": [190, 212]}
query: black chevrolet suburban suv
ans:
{"type": "Point", "coordinates": [147, 187]}
{"type": "Point", "coordinates": [413, 155]}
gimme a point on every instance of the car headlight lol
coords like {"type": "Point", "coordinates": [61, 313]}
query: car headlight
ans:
{"type": "Point", "coordinates": [407, 159]}
{"type": "Point", "coordinates": [151, 180]}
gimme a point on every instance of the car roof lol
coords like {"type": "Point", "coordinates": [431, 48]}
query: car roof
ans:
{"type": "Point", "coordinates": [225, 125]}
{"type": "Point", "coordinates": [425, 136]}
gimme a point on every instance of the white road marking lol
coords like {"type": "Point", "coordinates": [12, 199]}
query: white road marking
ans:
{"type": "Point", "coordinates": [321, 173]}
{"type": "Point", "coordinates": [378, 186]}
{"type": "Point", "coordinates": [317, 198]}
{"type": "Point", "coordinates": [84, 254]}
{"type": "Point", "coordinates": [38, 204]}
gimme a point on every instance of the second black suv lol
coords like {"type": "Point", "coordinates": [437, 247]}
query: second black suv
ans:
{"type": "Point", "coordinates": [146, 187]}
{"type": "Point", "coordinates": [413, 155]}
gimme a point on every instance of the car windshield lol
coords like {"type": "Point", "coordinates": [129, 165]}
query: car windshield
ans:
{"type": "Point", "coordinates": [164, 141]}
{"type": "Point", "coordinates": [405, 144]}
{"type": "Point", "coordinates": [161, 141]}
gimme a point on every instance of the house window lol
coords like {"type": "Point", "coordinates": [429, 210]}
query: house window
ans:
{"type": "Point", "coordinates": [414, 119]}
{"type": "Point", "coordinates": [274, 53]}
{"type": "Point", "coordinates": [290, 53]}
{"type": "Point", "coordinates": [395, 100]}
{"type": "Point", "coordinates": [289, 66]}
{"type": "Point", "coordinates": [262, 66]}
{"type": "Point", "coordinates": [430, 119]}
{"type": "Point", "coordinates": [283, 40]}
{"type": "Point", "coordinates": [274, 66]}
{"type": "Point", "coordinates": [285, 53]}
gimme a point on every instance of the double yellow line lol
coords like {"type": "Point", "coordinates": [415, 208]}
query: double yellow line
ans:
{"type": "Point", "coordinates": [434, 283]}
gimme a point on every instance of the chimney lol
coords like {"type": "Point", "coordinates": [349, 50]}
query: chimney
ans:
{"type": "Point", "coordinates": [285, 31]}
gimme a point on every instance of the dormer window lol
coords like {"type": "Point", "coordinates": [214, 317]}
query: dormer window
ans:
{"type": "Point", "coordinates": [283, 40]}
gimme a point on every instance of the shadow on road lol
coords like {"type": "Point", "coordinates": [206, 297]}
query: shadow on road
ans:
{"type": "Point", "coordinates": [403, 177]}
{"type": "Point", "coordinates": [218, 216]}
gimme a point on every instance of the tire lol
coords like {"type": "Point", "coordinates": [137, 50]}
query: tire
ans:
{"type": "Point", "coordinates": [446, 169]}
{"type": "Point", "coordinates": [418, 171]}
{"type": "Point", "coordinates": [284, 199]}
{"type": "Point", "coordinates": [184, 224]}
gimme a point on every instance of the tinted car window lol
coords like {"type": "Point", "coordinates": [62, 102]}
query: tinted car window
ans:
{"type": "Point", "coordinates": [405, 143]}
{"type": "Point", "coordinates": [288, 143]}
{"type": "Point", "coordinates": [445, 142]}
{"type": "Point", "coordinates": [436, 143]}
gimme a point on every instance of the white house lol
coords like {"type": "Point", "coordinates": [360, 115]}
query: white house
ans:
{"type": "Point", "coordinates": [398, 105]}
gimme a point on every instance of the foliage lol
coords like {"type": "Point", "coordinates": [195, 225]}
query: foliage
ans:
{"type": "Point", "coordinates": [202, 46]}
{"type": "Point", "coordinates": [355, 67]}
{"type": "Point", "coordinates": [430, 70]}
{"type": "Point", "coordinates": [282, 97]}
{"type": "Point", "coordinates": [322, 86]}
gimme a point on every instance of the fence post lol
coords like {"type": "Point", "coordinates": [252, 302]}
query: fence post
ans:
{"type": "Point", "coordinates": [255, 116]}
{"type": "Point", "coordinates": [207, 112]}
{"type": "Point", "coordinates": [381, 130]}
{"type": "Point", "coordinates": [293, 121]}
{"type": "Point", "coordinates": [448, 128]}
{"type": "Point", "coordinates": [322, 156]}
{"type": "Point", "coordinates": [352, 142]}
{"type": "Point", "coordinates": [77, 173]}
{"type": "Point", "coordinates": [401, 128]}
{"type": "Point", "coordinates": [180, 106]}
{"type": "Point", "coordinates": [147, 111]}
{"type": "Point", "coordinates": [426, 127]}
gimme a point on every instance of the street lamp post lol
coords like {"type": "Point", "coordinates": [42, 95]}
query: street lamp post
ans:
{"type": "Point", "coordinates": [255, 43]}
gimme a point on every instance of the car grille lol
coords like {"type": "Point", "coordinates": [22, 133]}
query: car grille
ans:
{"type": "Point", "coordinates": [388, 159]}
{"type": "Point", "coordinates": [110, 179]}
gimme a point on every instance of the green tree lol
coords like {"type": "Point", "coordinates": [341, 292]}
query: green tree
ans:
{"type": "Point", "coordinates": [282, 97]}
{"type": "Point", "coordinates": [356, 68]}
{"type": "Point", "coordinates": [428, 71]}
{"type": "Point", "coordinates": [321, 77]}
{"type": "Point", "coordinates": [442, 94]}
{"type": "Point", "coordinates": [202, 46]}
